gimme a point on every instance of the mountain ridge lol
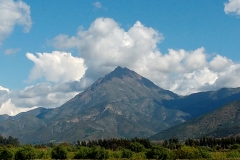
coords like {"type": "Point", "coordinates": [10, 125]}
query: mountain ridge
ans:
{"type": "Point", "coordinates": [204, 102]}
{"type": "Point", "coordinates": [120, 104]}
{"type": "Point", "coordinates": [222, 122]}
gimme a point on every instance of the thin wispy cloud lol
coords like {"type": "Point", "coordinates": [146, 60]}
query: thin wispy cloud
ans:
{"type": "Point", "coordinates": [97, 5]}
{"type": "Point", "coordinates": [11, 51]}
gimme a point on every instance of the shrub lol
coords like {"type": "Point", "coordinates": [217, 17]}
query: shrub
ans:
{"type": "Point", "coordinates": [98, 153]}
{"type": "Point", "coordinates": [27, 152]}
{"type": "Point", "coordinates": [235, 146]}
{"type": "Point", "coordinates": [159, 152]}
{"type": "Point", "coordinates": [91, 153]}
{"type": "Point", "coordinates": [233, 154]}
{"type": "Point", "coordinates": [6, 153]}
{"type": "Point", "coordinates": [218, 155]}
{"type": "Point", "coordinates": [187, 152]}
{"type": "Point", "coordinates": [114, 154]}
{"type": "Point", "coordinates": [137, 147]}
{"type": "Point", "coordinates": [204, 152]}
{"type": "Point", "coordinates": [68, 147]}
{"type": "Point", "coordinates": [126, 153]}
{"type": "Point", "coordinates": [59, 152]}
{"type": "Point", "coordinates": [139, 155]}
{"type": "Point", "coordinates": [82, 153]}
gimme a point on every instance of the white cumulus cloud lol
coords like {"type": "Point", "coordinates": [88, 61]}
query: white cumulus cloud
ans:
{"type": "Point", "coordinates": [4, 89]}
{"type": "Point", "coordinates": [13, 13]}
{"type": "Point", "coordinates": [10, 109]}
{"type": "Point", "coordinates": [56, 66]}
{"type": "Point", "coordinates": [64, 70]}
{"type": "Point", "coordinates": [232, 6]}
{"type": "Point", "coordinates": [105, 45]}
{"type": "Point", "coordinates": [64, 42]}
{"type": "Point", "coordinates": [220, 63]}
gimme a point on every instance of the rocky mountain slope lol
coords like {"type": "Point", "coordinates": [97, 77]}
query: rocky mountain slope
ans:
{"type": "Point", "coordinates": [121, 104]}
{"type": "Point", "coordinates": [4, 117]}
{"type": "Point", "coordinates": [222, 122]}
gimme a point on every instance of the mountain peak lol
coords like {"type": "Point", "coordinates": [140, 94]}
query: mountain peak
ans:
{"type": "Point", "coordinates": [118, 68]}
{"type": "Point", "coordinates": [121, 104]}
{"type": "Point", "coordinates": [125, 73]}
{"type": "Point", "coordinates": [121, 72]}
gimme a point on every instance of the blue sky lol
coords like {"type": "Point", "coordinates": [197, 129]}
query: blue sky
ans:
{"type": "Point", "coordinates": [184, 46]}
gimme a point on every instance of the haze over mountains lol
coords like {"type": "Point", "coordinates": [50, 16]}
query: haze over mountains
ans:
{"type": "Point", "coordinates": [121, 104]}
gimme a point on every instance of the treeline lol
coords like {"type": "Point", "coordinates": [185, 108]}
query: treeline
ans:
{"type": "Point", "coordinates": [223, 143]}
{"type": "Point", "coordinates": [115, 144]}
{"type": "Point", "coordinates": [10, 140]}
{"type": "Point", "coordinates": [136, 148]}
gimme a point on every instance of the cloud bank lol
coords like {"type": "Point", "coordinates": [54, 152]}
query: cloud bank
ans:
{"type": "Point", "coordinates": [105, 45]}
{"type": "Point", "coordinates": [13, 13]}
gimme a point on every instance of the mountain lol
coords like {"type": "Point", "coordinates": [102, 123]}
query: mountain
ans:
{"type": "Point", "coordinates": [4, 117]}
{"type": "Point", "coordinates": [222, 122]}
{"type": "Point", "coordinates": [121, 104]}
{"type": "Point", "coordinates": [203, 102]}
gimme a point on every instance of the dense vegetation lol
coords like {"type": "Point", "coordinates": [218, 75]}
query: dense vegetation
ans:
{"type": "Point", "coordinates": [136, 148]}
{"type": "Point", "coordinates": [9, 140]}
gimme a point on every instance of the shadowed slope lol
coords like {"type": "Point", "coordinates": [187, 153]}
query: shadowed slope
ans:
{"type": "Point", "coordinates": [222, 122]}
